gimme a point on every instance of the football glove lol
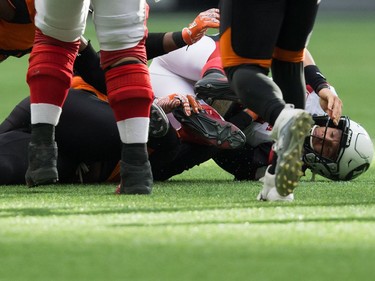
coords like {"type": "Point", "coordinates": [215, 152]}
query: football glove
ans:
{"type": "Point", "coordinates": [187, 102]}
{"type": "Point", "coordinates": [195, 30]}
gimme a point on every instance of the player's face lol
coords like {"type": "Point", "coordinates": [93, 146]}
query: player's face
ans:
{"type": "Point", "coordinates": [326, 141]}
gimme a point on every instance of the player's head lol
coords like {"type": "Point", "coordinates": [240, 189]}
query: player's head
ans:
{"type": "Point", "coordinates": [340, 152]}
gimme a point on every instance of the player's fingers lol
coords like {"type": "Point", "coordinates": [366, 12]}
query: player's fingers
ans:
{"type": "Point", "coordinates": [187, 108]}
{"type": "Point", "coordinates": [194, 104]}
{"type": "Point", "coordinates": [184, 102]}
{"type": "Point", "coordinates": [336, 109]}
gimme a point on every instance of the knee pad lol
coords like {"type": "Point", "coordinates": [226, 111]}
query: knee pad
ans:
{"type": "Point", "coordinates": [50, 70]}
{"type": "Point", "coordinates": [129, 91]}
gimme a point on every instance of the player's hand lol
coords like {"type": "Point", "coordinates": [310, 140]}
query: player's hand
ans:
{"type": "Point", "coordinates": [172, 101]}
{"type": "Point", "coordinates": [195, 30]}
{"type": "Point", "coordinates": [331, 104]}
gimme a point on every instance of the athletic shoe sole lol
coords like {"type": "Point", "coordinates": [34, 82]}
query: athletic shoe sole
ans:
{"type": "Point", "coordinates": [211, 131]}
{"type": "Point", "coordinates": [289, 162]}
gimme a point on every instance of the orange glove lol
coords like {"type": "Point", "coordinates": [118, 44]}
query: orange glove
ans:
{"type": "Point", "coordinates": [172, 101]}
{"type": "Point", "coordinates": [195, 31]}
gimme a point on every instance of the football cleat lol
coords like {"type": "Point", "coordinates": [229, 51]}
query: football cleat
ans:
{"type": "Point", "coordinates": [210, 130]}
{"type": "Point", "coordinates": [290, 130]}
{"type": "Point", "coordinates": [159, 123]}
{"type": "Point", "coordinates": [214, 86]}
{"type": "Point", "coordinates": [42, 168]}
{"type": "Point", "coordinates": [269, 192]}
{"type": "Point", "coordinates": [135, 179]}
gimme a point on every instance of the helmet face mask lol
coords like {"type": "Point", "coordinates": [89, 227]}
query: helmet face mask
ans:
{"type": "Point", "coordinates": [354, 155]}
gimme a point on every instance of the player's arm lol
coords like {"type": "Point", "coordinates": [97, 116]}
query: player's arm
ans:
{"type": "Point", "coordinates": [329, 101]}
{"type": "Point", "coordinates": [87, 65]}
{"type": "Point", "coordinates": [158, 44]}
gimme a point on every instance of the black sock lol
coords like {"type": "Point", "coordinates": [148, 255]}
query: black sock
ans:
{"type": "Point", "coordinates": [134, 153]}
{"type": "Point", "coordinates": [42, 133]}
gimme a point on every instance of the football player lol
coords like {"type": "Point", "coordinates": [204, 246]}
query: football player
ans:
{"type": "Point", "coordinates": [16, 126]}
{"type": "Point", "coordinates": [181, 69]}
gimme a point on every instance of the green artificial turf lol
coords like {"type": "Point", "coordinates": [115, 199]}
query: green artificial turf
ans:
{"type": "Point", "coordinates": [201, 225]}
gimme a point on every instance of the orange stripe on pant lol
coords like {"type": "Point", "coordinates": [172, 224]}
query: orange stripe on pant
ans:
{"type": "Point", "coordinates": [230, 58]}
{"type": "Point", "coordinates": [289, 56]}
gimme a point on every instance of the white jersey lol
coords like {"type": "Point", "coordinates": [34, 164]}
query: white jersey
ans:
{"type": "Point", "coordinates": [178, 71]}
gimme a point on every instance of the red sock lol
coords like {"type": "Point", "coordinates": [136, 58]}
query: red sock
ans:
{"type": "Point", "coordinates": [214, 61]}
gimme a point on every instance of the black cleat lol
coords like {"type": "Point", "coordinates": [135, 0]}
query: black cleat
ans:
{"type": "Point", "coordinates": [211, 130]}
{"type": "Point", "coordinates": [214, 86]}
{"type": "Point", "coordinates": [159, 123]}
{"type": "Point", "coordinates": [42, 168]}
{"type": "Point", "coordinates": [135, 179]}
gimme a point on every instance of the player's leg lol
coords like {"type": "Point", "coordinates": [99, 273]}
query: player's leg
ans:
{"type": "Point", "coordinates": [287, 65]}
{"type": "Point", "coordinates": [121, 30]}
{"type": "Point", "coordinates": [247, 60]}
{"type": "Point", "coordinates": [246, 163]}
{"type": "Point", "coordinates": [287, 70]}
{"type": "Point", "coordinates": [59, 26]}
{"type": "Point", "coordinates": [88, 137]}
{"type": "Point", "coordinates": [185, 156]}
{"type": "Point", "coordinates": [214, 83]}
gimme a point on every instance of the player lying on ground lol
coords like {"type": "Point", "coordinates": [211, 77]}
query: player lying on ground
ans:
{"type": "Point", "coordinates": [159, 42]}
{"type": "Point", "coordinates": [337, 152]}
{"type": "Point", "coordinates": [97, 146]}
{"type": "Point", "coordinates": [89, 143]}
{"type": "Point", "coordinates": [89, 146]}
{"type": "Point", "coordinates": [251, 161]}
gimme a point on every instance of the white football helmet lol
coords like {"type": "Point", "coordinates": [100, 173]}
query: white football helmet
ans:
{"type": "Point", "coordinates": [355, 153]}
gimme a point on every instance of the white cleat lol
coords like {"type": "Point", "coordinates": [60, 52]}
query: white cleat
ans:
{"type": "Point", "coordinates": [290, 130]}
{"type": "Point", "coordinates": [269, 192]}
